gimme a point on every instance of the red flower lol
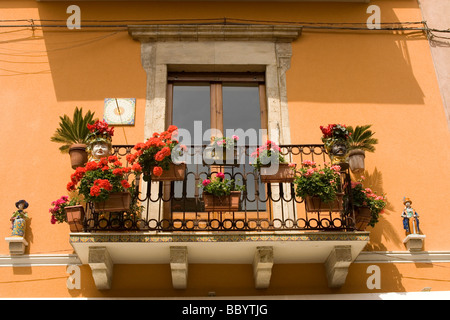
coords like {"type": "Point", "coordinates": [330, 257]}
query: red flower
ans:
{"type": "Point", "coordinates": [70, 186]}
{"type": "Point", "coordinates": [136, 167]}
{"type": "Point", "coordinates": [159, 156]}
{"type": "Point", "coordinates": [95, 191]}
{"type": "Point", "coordinates": [118, 172]}
{"type": "Point", "coordinates": [157, 171]}
{"type": "Point", "coordinates": [112, 159]}
{"type": "Point", "coordinates": [91, 166]}
{"type": "Point", "coordinates": [125, 184]}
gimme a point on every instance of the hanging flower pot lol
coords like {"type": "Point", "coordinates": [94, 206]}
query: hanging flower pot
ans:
{"type": "Point", "coordinates": [363, 215]}
{"type": "Point", "coordinates": [117, 201]}
{"type": "Point", "coordinates": [222, 203]}
{"type": "Point", "coordinates": [314, 204]}
{"type": "Point", "coordinates": [285, 173]}
{"type": "Point", "coordinates": [78, 155]}
{"type": "Point", "coordinates": [176, 172]}
{"type": "Point", "coordinates": [75, 217]}
{"type": "Point", "coordinates": [356, 160]}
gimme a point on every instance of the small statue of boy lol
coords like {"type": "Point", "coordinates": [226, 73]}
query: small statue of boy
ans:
{"type": "Point", "coordinates": [410, 218]}
{"type": "Point", "coordinates": [18, 219]}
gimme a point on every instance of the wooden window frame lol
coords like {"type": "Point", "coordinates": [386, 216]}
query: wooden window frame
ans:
{"type": "Point", "coordinates": [216, 80]}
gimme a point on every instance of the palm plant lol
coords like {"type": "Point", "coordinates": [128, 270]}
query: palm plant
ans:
{"type": "Point", "coordinates": [73, 131]}
{"type": "Point", "coordinates": [362, 138]}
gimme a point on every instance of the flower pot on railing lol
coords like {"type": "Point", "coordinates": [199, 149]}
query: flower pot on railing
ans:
{"type": "Point", "coordinates": [356, 160]}
{"type": "Point", "coordinates": [75, 217]}
{"type": "Point", "coordinates": [285, 173]}
{"type": "Point", "coordinates": [222, 203]}
{"type": "Point", "coordinates": [363, 215]}
{"type": "Point", "coordinates": [176, 172]}
{"type": "Point", "coordinates": [314, 204]}
{"type": "Point", "coordinates": [117, 201]}
{"type": "Point", "coordinates": [220, 156]}
{"type": "Point", "coordinates": [78, 155]}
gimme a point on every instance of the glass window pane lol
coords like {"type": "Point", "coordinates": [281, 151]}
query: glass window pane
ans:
{"type": "Point", "coordinates": [191, 112]}
{"type": "Point", "coordinates": [191, 106]}
{"type": "Point", "coordinates": [242, 112]}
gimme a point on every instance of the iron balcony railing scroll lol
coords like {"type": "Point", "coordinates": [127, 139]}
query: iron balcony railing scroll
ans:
{"type": "Point", "coordinates": [178, 205]}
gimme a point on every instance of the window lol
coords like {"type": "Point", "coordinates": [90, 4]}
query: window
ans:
{"type": "Point", "coordinates": [198, 102]}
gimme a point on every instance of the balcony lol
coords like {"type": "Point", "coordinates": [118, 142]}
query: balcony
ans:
{"type": "Point", "coordinates": [270, 226]}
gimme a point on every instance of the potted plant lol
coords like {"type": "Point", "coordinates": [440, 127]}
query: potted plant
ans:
{"type": "Point", "coordinates": [367, 205]}
{"type": "Point", "coordinates": [221, 194]}
{"type": "Point", "coordinates": [104, 184]}
{"type": "Point", "coordinates": [361, 140]}
{"type": "Point", "coordinates": [319, 186]}
{"type": "Point", "coordinates": [73, 134]}
{"type": "Point", "coordinates": [157, 156]}
{"type": "Point", "coordinates": [268, 158]}
{"type": "Point", "coordinates": [222, 150]}
{"type": "Point", "coordinates": [336, 142]}
{"type": "Point", "coordinates": [70, 211]}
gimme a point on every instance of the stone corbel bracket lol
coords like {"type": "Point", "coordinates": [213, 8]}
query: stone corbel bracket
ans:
{"type": "Point", "coordinates": [337, 265]}
{"type": "Point", "coordinates": [101, 266]}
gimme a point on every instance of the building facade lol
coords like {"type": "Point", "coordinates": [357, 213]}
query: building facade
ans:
{"type": "Point", "coordinates": [269, 70]}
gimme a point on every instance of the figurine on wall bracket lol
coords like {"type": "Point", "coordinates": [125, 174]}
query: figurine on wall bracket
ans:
{"type": "Point", "coordinates": [18, 219]}
{"type": "Point", "coordinates": [99, 140]}
{"type": "Point", "coordinates": [410, 218]}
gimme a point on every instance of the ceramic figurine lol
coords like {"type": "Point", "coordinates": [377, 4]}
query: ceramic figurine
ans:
{"type": "Point", "coordinates": [18, 219]}
{"type": "Point", "coordinates": [410, 218]}
{"type": "Point", "coordinates": [99, 141]}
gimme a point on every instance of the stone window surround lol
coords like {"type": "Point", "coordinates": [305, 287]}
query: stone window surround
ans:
{"type": "Point", "coordinates": [220, 48]}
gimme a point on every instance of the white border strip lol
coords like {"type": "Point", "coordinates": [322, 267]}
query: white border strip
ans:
{"type": "Point", "coordinates": [31, 260]}
{"type": "Point", "coordinates": [403, 257]}
{"type": "Point", "coordinates": [430, 295]}
{"type": "Point", "coordinates": [28, 260]}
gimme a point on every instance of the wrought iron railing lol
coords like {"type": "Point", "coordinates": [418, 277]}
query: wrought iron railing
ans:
{"type": "Point", "coordinates": [179, 206]}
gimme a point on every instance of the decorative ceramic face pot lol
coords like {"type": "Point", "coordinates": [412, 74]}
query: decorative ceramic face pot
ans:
{"type": "Point", "coordinates": [98, 150]}
{"type": "Point", "coordinates": [338, 152]}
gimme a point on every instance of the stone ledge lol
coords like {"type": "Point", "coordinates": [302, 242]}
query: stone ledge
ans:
{"type": "Point", "coordinates": [214, 32]}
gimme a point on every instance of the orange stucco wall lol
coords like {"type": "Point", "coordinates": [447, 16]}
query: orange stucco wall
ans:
{"type": "Point", "coordinates": [224, 280]}
{"type": "Point", "coordinates": [386, 79]}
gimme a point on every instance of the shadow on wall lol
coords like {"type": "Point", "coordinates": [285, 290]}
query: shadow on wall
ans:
{"type": "Point", "coordinates": [353, 68]}
{"type": "Point", "coordinates": [91, 63]}
{"type": "Point", "coordinates": [326, 66]}
{"type": "Point", "coordinates": [383, 228]}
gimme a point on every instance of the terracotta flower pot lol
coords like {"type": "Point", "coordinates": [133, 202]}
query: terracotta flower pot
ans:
{"type": "Point", "coordinates": [284, 174]}
{"type": "Point", "coordinates": [75, 217]}
{"type": "Point", "coordinates": [78, 155]}
{"type": "Point", "coordinates": [224, 203]}
{"type": "Point", "coordinates": [117, 201]}
{"type": "Point", "coordinates": [176, 172]}
{"type": "Point", "coordinates": [362, 218]}
{"type": "Point", "coordinates": [356, 160]}
{"type": "Point", "coordinates": [314, 204]}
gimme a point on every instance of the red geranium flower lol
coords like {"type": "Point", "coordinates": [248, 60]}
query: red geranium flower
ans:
{"type": "Point", "coordinates": [157, 171]}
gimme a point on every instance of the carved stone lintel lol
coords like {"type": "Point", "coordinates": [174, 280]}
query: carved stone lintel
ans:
{"type": "Point", "coordinates": [214, 32]}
